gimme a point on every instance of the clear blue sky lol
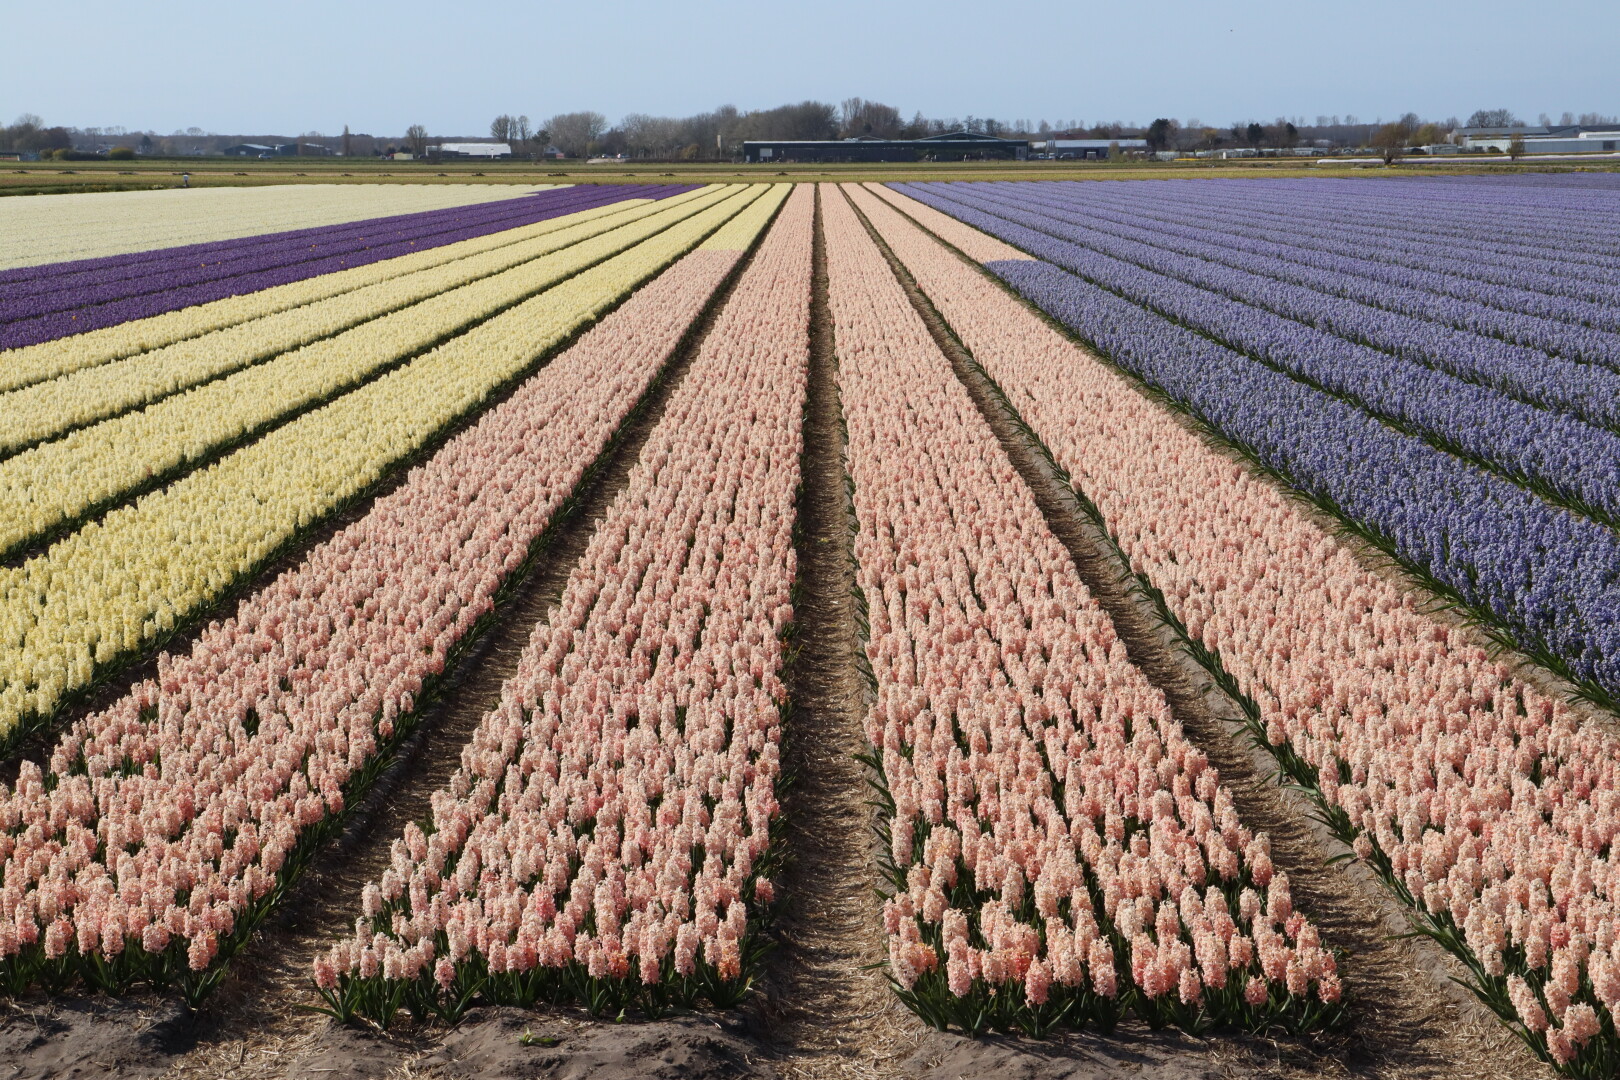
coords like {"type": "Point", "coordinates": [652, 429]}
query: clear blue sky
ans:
{"type": "Point", "coordinates": [237, 66]}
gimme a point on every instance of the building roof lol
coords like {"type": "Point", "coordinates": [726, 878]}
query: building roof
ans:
{"type": "Point", "coordinates": [948, 139]}
{"type": "Point", "coordinates": [474, 148]}
{"type": "Point", "coordinates": [966, 136]}
{"type": "Point", "coordinates": [1092, 144]}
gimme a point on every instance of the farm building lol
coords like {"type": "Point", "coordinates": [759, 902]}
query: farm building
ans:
{"type": "Point", "coordinates": [490, 151]}
{"type": "Point", "coordinates": [249, 150]}
{"type": "Point", "coordinates": [951, 146]}
{"type": "Point", "coordinates": [1080, 149]}
{"type": "Point", "coordinates": [1562, 139]}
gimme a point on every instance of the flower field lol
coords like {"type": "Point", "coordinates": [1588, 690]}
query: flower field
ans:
{"type": "Point", "coordinates": [1339, 454]}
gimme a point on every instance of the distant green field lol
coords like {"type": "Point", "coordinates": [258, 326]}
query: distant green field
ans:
{"type": "Point", "coordinates": [34, 178]}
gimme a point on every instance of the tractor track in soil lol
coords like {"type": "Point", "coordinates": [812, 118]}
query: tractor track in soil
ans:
{"type": "Point", "coordinates": [1408, 1020]}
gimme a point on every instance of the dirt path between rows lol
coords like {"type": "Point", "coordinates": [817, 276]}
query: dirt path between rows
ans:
{"type": "Point", "coordinates": [257, 1024]}
{"type": "Point", "coordinates": [1406, 1021]}
{"type": "Point", "coordinates": [823, 1008]}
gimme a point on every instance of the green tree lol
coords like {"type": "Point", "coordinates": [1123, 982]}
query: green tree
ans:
{"type": "Point", "coordinates": [1159, 133]}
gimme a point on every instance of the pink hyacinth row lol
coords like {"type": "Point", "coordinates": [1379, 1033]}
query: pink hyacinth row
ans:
{"type": "Point", "coordinates": [161, 826]}
{"type": "Point", "coordinates": [1485, 803]}
{"type": "Point", "coordinates": [607, 838]}
{"type": "Point", "coordinates": [1059, 849]}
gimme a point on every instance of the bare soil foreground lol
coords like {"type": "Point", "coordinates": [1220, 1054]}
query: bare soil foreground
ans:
{"type": "Point", "coordinates": [821, 1007]}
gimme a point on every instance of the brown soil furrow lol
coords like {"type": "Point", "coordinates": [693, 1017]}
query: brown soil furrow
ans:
{"type": "Point", "coordinates": [269, 982]}
{"type": "Point", "coordinates": [1407, 1019]}
{"type": "Point", "coordinates": [824, 1011]}
{"type": "Point", "coordinates": [257, 1023]}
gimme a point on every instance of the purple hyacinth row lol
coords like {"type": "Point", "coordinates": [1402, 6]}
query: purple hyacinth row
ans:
{"type": "Point", "coordinates": [191, 253]}
{"type": "Point", "coordinates": [1585, 390]}
{"type": "Point", "coordinates": [1545, 577]}
{"type": "Point", "coordinates": [275, 263]}
{"type": "Point", "coordinates": [1459, 249]}
{"type": "Point", "coordinates": [69, 281]}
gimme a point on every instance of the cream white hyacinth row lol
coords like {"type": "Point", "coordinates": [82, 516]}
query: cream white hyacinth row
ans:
{"type": "Point", "coordinates": [57, 228]}
{"type": "Point", "coordinates": [112, 588]}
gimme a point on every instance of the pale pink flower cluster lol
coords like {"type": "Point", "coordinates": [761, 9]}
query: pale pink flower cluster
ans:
{"type": "Point", "coordinates": [1023, 750]}
{"type": "Point", "coordinates": [170, 813]}
{"type": "Point", "coordinates": [644, 720]}
{"type": "Point", "coordinates": [1496, 807]}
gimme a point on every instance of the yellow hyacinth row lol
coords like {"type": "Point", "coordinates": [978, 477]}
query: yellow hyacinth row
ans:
{"type": "Point", "coordinates": [56, 483]}
{"type": "Point", "coordinates": [109, 590]}
{"type": "Point", "coordinates": [738, 233]}
{"type": "Point", "coordinates": [56, 228]}
{"type": "Point", "coordinates": [311, 307]}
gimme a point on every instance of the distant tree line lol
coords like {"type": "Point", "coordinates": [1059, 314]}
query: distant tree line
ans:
{"type": "Point", "coordinates": [719, 135]}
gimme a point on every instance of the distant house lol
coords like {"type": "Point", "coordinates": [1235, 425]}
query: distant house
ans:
{"type": "Point", "coordinates": [491, 151]}
{"type": "Point", "coordinates": [951, 146]}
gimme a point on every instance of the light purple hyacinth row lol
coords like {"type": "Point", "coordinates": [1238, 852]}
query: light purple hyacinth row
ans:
{"type": "Point", "coordinates": [1545, 577]}
{"type": "Point", "coordinates": [1572, 225]}
{"type": "Point", "coordinates": [1563, 457]}
{"type": "Point", "coordinates": [1587, 391]}
{"type": "Point", "coordinates": [1478, 254]}
{"type": "Point", "coordinates": [1368, 271]}
{"type": "Point", "coordinates": [46, 317]}
{"type": "Point", "coordinates": [1410, 321]}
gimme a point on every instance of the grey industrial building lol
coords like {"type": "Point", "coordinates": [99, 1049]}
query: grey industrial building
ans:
{"type": "Point", "coordinates": [951, 146]}
{"type": "Point", "coordinates": [1542, 139]}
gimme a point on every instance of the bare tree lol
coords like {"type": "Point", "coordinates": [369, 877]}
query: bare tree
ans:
{"type": "Point", "coordinates": [858, 116]}
{"type": "Point", "coordinates": [573, 133]}
{"type": "Point", "coordinates": [1390, 141]}
{"type": "Point", "coordinates": [1487, 118]}
{"type": "Point", "coordinates": [416, 135]}
{"type": "Point", "coordinates": [501, 127]}
{"type": "Point", "coordinates": [1516, 146]}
